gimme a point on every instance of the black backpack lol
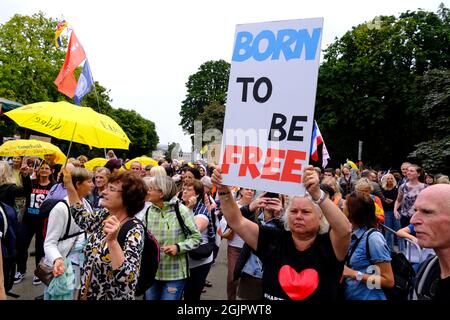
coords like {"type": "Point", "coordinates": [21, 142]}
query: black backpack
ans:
{"type": "Point", "coordinates": [44, 211]}
{"type": "Point", "coordinates": [8, 229]}
{"type": "Point", "coordinates": [403, 274]}
{"type": "Point", "coordinates": [427, 279]}
{"type": "Point", "coordinates": [150, 254]}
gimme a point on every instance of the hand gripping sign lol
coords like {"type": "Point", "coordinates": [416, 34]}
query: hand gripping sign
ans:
{"type": "Point", "coordinates": [270, 107]}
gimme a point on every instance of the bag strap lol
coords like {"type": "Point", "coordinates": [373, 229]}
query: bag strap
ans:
{"type": "Point", "coordinates": [5, 220]}
{"type": "Point", "coordinates": [183, 226]}
{"type": "Point", "coordinates": [87, 285]}
{"type": "Point", "coordinates": [69, 222]}
{"type": "Point", "coordinates": [369, 256]}
{"type": "Point", "coordinates": [349, 256]}
{"type": "Point", "coordinates": [125, 227]}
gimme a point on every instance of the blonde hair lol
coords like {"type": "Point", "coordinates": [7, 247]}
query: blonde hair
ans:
{"type": "Point", "coordinates": [5, 173]}
{"type": "Point", "coordinates": [80, 175]}
{"type": "Point", "coordinates": [324, 226]}
{"type": "Point", "coordinates": [158, 171]}
{"type": "Point", "coordinates": [443, 179]}
{"type": "Point", "coordinates": [384, 180]}
{"type": "Point", "coordinates": [364, 183]}
{"type": "Point", "coordinates": [333, 182]}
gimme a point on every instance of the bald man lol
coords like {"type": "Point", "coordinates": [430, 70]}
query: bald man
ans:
{"type": "Point", "coordinates": [432, 226]}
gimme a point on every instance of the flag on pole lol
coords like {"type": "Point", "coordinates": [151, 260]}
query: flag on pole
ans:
{"type": "Point", "coordinates": [65, 81]}
{"type": "Point", "coordinates": [204, 149]}
{"type": "Point", "coordinates": [59, 29]}
{"type": "Point", "coordinates": [316, 141]}
{"type": "Point", "coordinates": [84, 85]}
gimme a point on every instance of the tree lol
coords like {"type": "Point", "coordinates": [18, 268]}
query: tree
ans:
{"type": "Point", "coordinates": [213, 117]}
{"type": "Point", "coordinates": [434, 153]}
{"type": "Point", "coordinates": [30, 62]}
{"type": "Point", "coordinates": [140, 131]}
{"type": "Point", "coordinates": [370, 86]}
{"type": "Point", "coordinates": [209, 85]}
{"type": "Point", "coordinates": [173, 151]}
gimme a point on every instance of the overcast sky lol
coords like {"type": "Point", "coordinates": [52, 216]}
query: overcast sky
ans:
{"type": "Point", "coordinates": [144, 51]}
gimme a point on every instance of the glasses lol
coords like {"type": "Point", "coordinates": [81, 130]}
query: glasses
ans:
{"type": "Point", "coordinates": [112, 189]}
{"type": "Point", "coordinates": [154, 189]}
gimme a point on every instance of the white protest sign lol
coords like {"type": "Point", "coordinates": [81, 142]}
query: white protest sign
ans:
{"type": "Point", "coordinates": [270, 105]}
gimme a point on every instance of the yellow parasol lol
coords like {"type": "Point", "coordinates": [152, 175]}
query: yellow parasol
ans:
{"type": "Point", "coordinates": [32, 148]}
{"type": "Point", "coordinates": [352, 164]}
{"type": "Point", "coordinates": [67, 121]}
{"type": "Point", "coordinates": [145, 161]}
{"type": "Point", "coordinates": [96, 162]}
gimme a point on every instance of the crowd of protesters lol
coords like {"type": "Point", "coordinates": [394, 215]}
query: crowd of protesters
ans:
{"type": "Point", "coordinates": [269, 237]}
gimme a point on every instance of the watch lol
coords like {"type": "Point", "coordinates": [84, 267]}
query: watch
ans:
{"type": "Point", "coordinates": [359, 276]}
{"type": "Point", "coordinates": [322, 198]}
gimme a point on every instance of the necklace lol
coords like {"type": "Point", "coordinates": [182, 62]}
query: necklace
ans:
{"type": "Point", "coordinates": [126, 217]}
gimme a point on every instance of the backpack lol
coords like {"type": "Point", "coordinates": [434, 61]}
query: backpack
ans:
{"type": "Point", "coordinates": [44, 212]}
{"type": "Point", "coordinates": [403, 274]}
{"type": "Point", "coordinates": [150, 255]}
{"type": "Point", "coordinates": [427, 279]}
{"type": "Point", "coordinates": [8, 230]}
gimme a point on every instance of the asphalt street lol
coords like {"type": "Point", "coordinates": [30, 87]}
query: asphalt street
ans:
{"type": "Point", "coordinates": [217, 276]}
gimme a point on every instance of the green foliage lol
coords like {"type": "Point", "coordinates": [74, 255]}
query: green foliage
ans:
{"type": "Point", "coordinates": [434, 154]}
{"type": "Point", "coordinates": [370, 86]}
{"type": "Point", "coordinates": [140, 131]}
{"type": "Point", "coordinates": [173, 151]}
{"type": "Point", "coordinates": [213, 116]}
{"type": "Point", "coordinates": [30, 62]}
{"type": "Point", "coordinates": [206, 86]}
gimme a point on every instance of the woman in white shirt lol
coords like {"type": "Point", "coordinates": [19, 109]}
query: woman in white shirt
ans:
{"type": "Point", "coordinates": [64, 238]}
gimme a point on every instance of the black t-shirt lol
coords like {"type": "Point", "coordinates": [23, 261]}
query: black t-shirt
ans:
{"type": "Point", "coordinates": [443, 290]}
{"type": "Point", "coordinates": [312, 274]}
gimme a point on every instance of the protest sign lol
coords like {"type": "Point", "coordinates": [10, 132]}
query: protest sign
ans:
{"type": "Point", "coordinates": [270, 105]}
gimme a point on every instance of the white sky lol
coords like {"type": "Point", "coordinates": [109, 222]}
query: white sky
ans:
{"type": "Point", "coordinates": [144, 51]}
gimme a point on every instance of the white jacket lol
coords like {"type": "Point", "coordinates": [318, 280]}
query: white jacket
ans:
{"type": "Point", "coordinates": [56, 228]}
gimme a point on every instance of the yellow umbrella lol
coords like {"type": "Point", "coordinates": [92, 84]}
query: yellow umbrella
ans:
{"type": "Point", "coordinates": [145, 161]}
{"type": "Point", "coordinates": [67, 121]}
{"type": "Point", "coordinates": [32, 148]}
{"type": "Point", "coordinates": [96, 162]}
{"type": "Point", "coordinates": [352, 164]}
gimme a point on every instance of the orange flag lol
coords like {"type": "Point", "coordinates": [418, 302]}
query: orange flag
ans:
{"type": "Point", "coordinates": [66, 81]}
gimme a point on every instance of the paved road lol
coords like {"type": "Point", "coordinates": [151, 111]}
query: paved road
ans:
{"type": "Point", "coordinates": [217, 275]}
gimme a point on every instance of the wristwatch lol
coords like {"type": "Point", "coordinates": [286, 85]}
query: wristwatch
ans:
{"type": "Point", "coordinates": [322, 198]}
{"type": "Point", "coordinates": [359, 276]}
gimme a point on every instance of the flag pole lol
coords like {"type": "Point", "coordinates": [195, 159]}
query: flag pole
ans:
{"type": "Point", "coordinates": [70, 144]}
{"type": "Point", "coordinates": [98, 106]}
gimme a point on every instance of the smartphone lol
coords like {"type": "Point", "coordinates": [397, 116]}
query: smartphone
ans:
{"type": "Point", "coordinates": [271, 195]}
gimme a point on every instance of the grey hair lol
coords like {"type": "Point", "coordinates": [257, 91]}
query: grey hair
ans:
{"type": "Point", "coordinates": [165, 184]}
{"type": "Point", "coordinates": [324, 226]}
{"type": "Point", "coordinates": [364, 183]}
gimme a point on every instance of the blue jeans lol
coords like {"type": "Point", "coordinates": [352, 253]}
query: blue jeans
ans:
{"type": "Point", "coordinates": [391, 222]}
{"type": "Point", "coordinates": [166, 290]}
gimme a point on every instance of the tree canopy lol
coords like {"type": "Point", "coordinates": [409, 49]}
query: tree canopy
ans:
{"type": "Point", "coordinates": [384, 83]}
{"type": "Point", "coordinates": [30, 62]}
{"type": "Point", "coordinates": [371, 87]}
{"type": "Point", "coordinates": [206, 87]}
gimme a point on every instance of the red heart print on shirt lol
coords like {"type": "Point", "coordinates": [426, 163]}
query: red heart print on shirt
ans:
{"type": "Point", "coordinates": [298, 285]}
